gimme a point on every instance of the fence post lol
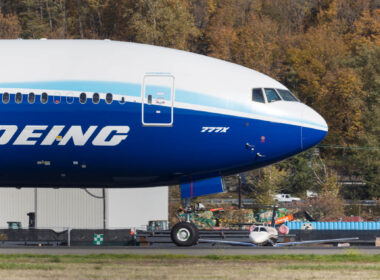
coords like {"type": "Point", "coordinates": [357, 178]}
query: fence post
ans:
{"type": "Point", "coordinates": [68, 237]}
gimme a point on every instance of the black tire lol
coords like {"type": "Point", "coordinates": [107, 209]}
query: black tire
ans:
{"type": "Point", "coordinates": [184, 234]}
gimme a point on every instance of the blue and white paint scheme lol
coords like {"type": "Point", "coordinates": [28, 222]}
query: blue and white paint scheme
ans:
{"type": "Point", "coordinates": [86, 113]}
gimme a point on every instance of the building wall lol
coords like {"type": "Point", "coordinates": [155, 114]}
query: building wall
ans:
{"type": "Point", "coordinates": [136, 207]}
{"type": "Point", "coordinates": [74, 208]}
{"type": "Point", "coordinates": [14, 205]}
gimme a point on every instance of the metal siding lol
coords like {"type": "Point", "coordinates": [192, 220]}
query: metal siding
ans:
{"type": "Point", "coordinates": [136, 207]}
{"type": "Point", "coordinates": [74, 208]}
{"type": "Point", "coordinates": [14, 206]}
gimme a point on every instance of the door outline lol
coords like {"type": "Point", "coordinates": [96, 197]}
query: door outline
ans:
{"type": "Point", "coordinates": [143, 102]}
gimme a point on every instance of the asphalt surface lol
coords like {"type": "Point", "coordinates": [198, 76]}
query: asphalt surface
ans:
{"type": "Point", "coordinates": [192, 251]}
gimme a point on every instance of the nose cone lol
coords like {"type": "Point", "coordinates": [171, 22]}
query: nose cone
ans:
{"type": "Point", "coordinates": [314, 130]}
{"type": "Point", "coordinates": [258, 237]}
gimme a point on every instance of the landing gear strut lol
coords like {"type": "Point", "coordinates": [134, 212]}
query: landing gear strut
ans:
{"type": "Point", "coordinates": [185, 233]}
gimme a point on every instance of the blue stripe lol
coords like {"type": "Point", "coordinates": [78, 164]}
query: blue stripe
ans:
{"type": "Point", "coordinates": [134, 90]}
{"type": "Point", "coordinates": [336, 225]}
{"type": "Point", "coordinates": [129, 89]}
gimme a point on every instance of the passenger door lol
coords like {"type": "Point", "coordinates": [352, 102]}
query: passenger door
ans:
{"type": "Point", "coordinates": [158, 99]}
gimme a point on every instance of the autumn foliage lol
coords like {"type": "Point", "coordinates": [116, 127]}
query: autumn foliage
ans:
{"type": "Point", "coordinates": [325, 51]}
{"type": "Point", "coordinates": [325, 207]}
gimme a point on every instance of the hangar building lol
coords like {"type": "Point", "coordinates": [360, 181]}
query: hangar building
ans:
{"type": "Point", "coordinates": [85, 209]}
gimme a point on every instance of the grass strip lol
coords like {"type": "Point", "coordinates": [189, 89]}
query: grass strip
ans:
{"type": "Point", "coordinates": [349, 256]}
{"type": "Point", "coordinates": [27, 266]}
{"type": "Point", "coordinates": [325, 267]}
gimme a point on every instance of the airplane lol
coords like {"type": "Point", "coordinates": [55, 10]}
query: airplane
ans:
{"type": "Point", "coordinates": [266, 235]}
{"type": "Point", "coordinates": [100, 113]}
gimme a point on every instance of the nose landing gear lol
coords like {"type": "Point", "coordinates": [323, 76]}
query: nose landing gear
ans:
{"type": "Point", "coordinates": [185, 233]}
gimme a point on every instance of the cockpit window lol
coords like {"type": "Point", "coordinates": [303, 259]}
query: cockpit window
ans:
{"type": "Point", "coordinates": [256, 229]}
{"type": "Point", "coordinates": [263, 229]}
{"type": "Point", "coordinates": [271, 95]}
{"type": "Point", "coordinates": [287, 95]}
{"type": "Point", "coordinates": [257, 95]}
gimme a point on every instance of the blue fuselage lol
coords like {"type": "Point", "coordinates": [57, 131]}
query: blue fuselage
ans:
{"type": "Point", "coordinates": [148, 156]}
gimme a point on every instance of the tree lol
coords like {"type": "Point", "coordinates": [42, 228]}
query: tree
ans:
{"type": "Point", "coordinates": [325, 207]}
{"type": "Point", "coordinates": [257, 45]}
{"type": "Point", "coordinates": [366, 161]}
{"type": "Point", "coordinates": [341, 103]}
{"type": "Point", "coordinates": [31, 15]}
{"type": "Point", "coordinates": [263, 184]}
{"type": "Point", "coordinates": [162, 22]}
{"type": "Point", "coordinates": [301, 177]}
{"type": "Point", "coordinates": [9, 27]}
{"type": "Point", "coordinates": [326, 51]}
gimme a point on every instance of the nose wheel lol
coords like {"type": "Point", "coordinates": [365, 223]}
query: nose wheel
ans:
{"type": "Point", "coordinates": [185, 234]}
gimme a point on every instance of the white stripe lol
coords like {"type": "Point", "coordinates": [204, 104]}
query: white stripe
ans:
{"type": "Point", "coordinates": [134, 99]}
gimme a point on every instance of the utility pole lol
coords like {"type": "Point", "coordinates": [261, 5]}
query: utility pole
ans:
{"type": "Point", "coordinates": [239, 189]}
{"type": "Point", "coordinates": [104, 209]}
{"type": "Point", "coordinates": [35, 207]}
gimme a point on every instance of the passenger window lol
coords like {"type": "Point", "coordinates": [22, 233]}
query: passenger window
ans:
{"type": "Point", "coordinates": [150, 99]}
{"type": "Point", "coordinates": [95, 98]}
{"type": "Point", "coordinates": [109, 98]}
{"type": "Point", "coordinates": [31, 98]}
{"type": "Point", "coordinates": [82, 98]}
{"type": "Point", "coordinates": [70, 98]}
{"type": "Point", "coordinates": [287, 95]}
{"type": "Point", "coordinates": [257, 95]}
{"type": "Point", "coordinates": [18, 98]}
{"type": "Point", "coordinates": [122, 100]}
{"type": "Point", "coordinates": [5, 97]}
{"type": "Point", "coordinates": [44, 98]}
{"type": "Point", "coordinates": [271, 95]}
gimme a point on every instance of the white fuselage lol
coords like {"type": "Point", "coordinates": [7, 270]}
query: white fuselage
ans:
{"type": "Point", "coordinates": [262, 234]}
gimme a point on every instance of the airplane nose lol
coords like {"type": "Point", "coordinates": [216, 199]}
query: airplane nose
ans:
{"type": "Point", "coordinates": [314, 130]}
